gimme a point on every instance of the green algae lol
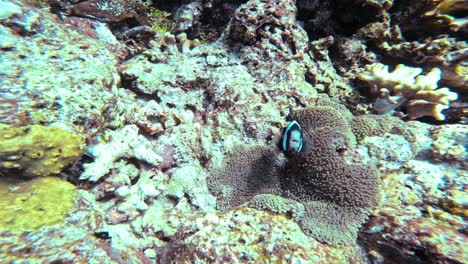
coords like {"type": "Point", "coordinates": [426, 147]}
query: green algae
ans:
{"type": "Point", "coordinates": [29, 205]}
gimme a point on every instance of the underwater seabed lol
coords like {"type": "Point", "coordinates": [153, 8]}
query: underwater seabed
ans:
{"type": "Point", "coordinates": [206, 131]}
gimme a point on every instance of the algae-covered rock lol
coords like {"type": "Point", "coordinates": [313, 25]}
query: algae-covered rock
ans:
{"type": "Point", "coordinates": [424, 206]}
{"type": "Point", "coordinates": [51, 71]}
{"type": "Point", "coordinates": [32, 204]}
{"type": "Point", "coordinates": [35, 151]}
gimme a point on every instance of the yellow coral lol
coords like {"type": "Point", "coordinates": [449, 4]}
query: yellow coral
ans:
{"type": "Point", "coordinates": [35, 151]}
{"type": "Point", "coordinates": [442, 14]}
{"type": "Point", "coordinates": [457, 75]}
{"type": "Point", "coordinates": [423, 97]}
{"type": "Point", "coordinates": [32, 204]}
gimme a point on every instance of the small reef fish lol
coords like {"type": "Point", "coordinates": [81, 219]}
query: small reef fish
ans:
{"type": "Point", "coordinates": [293, 142]}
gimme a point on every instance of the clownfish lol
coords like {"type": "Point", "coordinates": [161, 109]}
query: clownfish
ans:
{"type": "Point", "coordinates": [293, 142]}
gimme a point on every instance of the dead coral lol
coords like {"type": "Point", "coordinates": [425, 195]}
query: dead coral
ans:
{"type": "Point", "coordinates": [421, 95]}
{"type": "Point", "coordinates": [327, 195]}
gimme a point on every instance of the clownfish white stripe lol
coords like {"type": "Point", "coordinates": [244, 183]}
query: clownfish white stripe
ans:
{"type": "Point", "coordinates": [292, 138]}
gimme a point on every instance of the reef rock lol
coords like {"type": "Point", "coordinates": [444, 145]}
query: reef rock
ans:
{"type": "Point", "coordinates": [51, 72]}
{"type": "Point", "coordinates": [269, 40]}
{"type": "Point", "coordinates": [421, 216]}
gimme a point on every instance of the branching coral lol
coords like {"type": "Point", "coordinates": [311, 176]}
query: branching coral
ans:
{"type": "Point", "coordinates": [329, 196]}
{"type": "Point", "coordinates": [443, 14]}
{"type": "Point", "coordinates": [447, 53]}
{"type": "Point", "coordinates": [421, 95]}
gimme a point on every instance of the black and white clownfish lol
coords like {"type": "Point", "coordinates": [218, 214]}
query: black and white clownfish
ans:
{"type": "Point", "coordinates": [293, 142]}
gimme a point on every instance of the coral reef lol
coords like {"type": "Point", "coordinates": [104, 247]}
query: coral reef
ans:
{"type": "Point", "coordinates": [427, 34]}
{"type": "Point", "coordinates": [109, 11]}
{"type": "Point", "coordinates": [450, 144]}
{"type": "Point", "coordinates": [162, 112]}
{"type": "Point", "coordinates": [422, 211]}
{"type": "Point", "coordinates": [34, 204]}
{"type": "Point", "coordinates": [420, 94]}
{"type": "Point", "coordinates": [329, 196]}
{"type": "Point", "coordinates": [267, 38]}
{"type": "Point", "coordinates": [444, 52]}
{"type": "Point", "coordinates": [444, 15]}
{"type": "Point", "coordinates": [37, 151]}
{"type": "Point", "coordinates": [237, 239]}
{"type": "Point", "coordinates": [49, 72]}
{"type": "Point", "coordinates": [203, 19]}
{"type": "Point", "coordinates": [127, 144]}
{"type": "Point", "coordinates": [191, 94]}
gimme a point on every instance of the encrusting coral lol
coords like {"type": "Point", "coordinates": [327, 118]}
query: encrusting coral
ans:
{"type": "Point", "coordinates": [32, 204]}
{"type": "Point", "coordinates": [37, 151]}
{"type": "Point", "coordinates": [406, 86]}
{"type": "Point", "coordinates": [328, 195]}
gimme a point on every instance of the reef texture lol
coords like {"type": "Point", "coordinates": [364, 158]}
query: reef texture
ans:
{"type": "Point", "coordinates": [327, 195]}
{"type": "Point", "coordinates": [37, 151]}
{"type": "Point", "coordinates": [59, 74]}
{"type": "Point", "coordinates": [406, 87]}
{"type": "Point", "coordinates": [267, 38]}
{"type": "Point", "coordinates": [162, 111]}
{"type": "Point", "coordinates": [424, 207]}
{"type": "Point", "coordinates": [34, 204]}
{"type": "Point", "coordinates": [122, 144]}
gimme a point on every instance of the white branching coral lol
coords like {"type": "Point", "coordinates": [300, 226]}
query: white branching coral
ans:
{"type": "Point", "coordinates": [420, 93]}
